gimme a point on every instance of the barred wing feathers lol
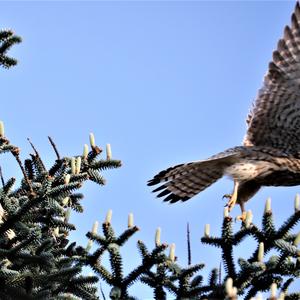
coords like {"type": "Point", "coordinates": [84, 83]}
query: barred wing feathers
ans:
{"type": "Point", "coordinates": [182, 182]}
{"type": "Point", "coordinates": [275, 118]}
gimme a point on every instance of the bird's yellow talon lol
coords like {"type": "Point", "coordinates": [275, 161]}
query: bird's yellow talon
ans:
{"type": "Point", "coordinates": [233, 197]}
{"type": "Point", "coordinates": [231, 203]}
{"type": "Point", "coordinates": [242, 217]}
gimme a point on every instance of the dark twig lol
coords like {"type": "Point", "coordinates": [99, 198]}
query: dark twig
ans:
{"type": "Point", "coordinates": [36, 153]}
{"type": "Point", "coordinates": [34, 149]}
{"type": "Point", "coordinates": [15, 152]}
{"type": "Point", "coordinates": [188, 238]}
{"type": "Point", "coordinates": [102, 292]}
{"type": "Point", "coordinates": [54, 147]}
{"type": "Point", "coordinates": [1, 175]}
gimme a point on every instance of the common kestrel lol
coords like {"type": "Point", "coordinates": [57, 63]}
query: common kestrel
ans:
{"type": "Point", "coordinates": [270, 155]}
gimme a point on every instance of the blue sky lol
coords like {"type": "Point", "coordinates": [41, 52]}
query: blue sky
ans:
{"type": "Point", "coordinates": [162, 82]}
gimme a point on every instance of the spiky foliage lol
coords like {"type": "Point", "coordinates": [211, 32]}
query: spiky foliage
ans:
{"type": "Point", "coordinates": [109, 242]}
{"type": "Point", "coordinates": [7, 40]}
{"type": "Point", "coordinates": [37, 261]}
{"type": "Point", "coordinates": [256, 273]}
{"type": "Point", "coordinates": [181, 282]}
{"type": "Point", "coordinates": [165, 276]}
{"type": "Point", "coordinates": [156, 269]}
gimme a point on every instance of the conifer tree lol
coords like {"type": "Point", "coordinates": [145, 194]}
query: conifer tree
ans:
{"type": "Point", "coordinates": [39, 261]}
{"type": "Point", "coordinates": [7, 40]}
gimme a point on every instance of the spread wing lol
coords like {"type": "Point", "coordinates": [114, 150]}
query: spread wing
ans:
{"type": "Point", "coordinates": [275, 118]}
{"type": "Point", "coordinates": [182, 182]}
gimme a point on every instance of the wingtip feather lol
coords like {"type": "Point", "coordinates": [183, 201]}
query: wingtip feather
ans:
{"type": "Point", "coordinates": [153, 181]}
{"type": "Point", "coordinates": [163, 193]}
{"type": "Point", "coordinates": [287, 33]}
{"type": "Point", "coordinates": [159, 188]}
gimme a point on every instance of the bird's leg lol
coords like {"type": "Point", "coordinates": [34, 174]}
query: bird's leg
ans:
{"type": "Point", "coordinates": [233, 197]}
{"type": "Point", "coordinates": [242, 217]}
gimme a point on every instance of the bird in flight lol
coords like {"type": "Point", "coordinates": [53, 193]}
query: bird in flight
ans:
{"type": "Point", "coordinates": [270, 154]}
